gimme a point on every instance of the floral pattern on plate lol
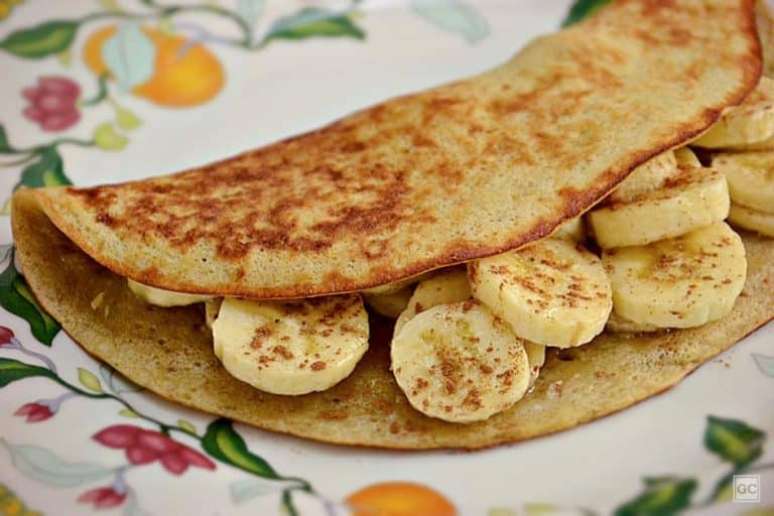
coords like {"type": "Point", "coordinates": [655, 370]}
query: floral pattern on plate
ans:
{"type": "Point", "coordinates": [146, 52]}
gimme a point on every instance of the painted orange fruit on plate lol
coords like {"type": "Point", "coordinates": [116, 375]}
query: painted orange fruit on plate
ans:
{"type": "Point", "coordinates": [185, 73]}
{"type": "Point", "coordinates": [399, 499]}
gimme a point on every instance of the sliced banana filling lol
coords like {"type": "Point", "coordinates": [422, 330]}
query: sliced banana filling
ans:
{"type": "Point", "coordinates": [752, 220]}
{"type": "Point", "coordinates": [685, 157]}
{"type": "Point", "coordinates": [469, 342]}
{"type": "Point", "coordinates": [694, 198]}
{"type": "Point", "coordinates": [389, 304]}
{"type": "Point", "coordinates": [749, 123]}
{"type": "Point", "coordinates": [460, 363]}
{"type": "Point", "coordinates": [649, 176]}
{"type": "Point", "coordinates": [447, 287]}
{"type": "Point", "coordinates": [211, 310]}
{"type": "Point", "coordinates": [619, 324]}
{"type": "Point", "coordinates": [293, 347]}
{"type": "Point", "coordinates": [536, 357]}
{"type": "Point", "coordinates": [750, 178]}
{"type": "Point", "coordinates": [573, 230]}
{"type": "Point", "coordinates": [681, 282]}
{"type": "Point", "coordinates": [553, 292]}
{"type": "Point", "coordinates": [165, 298]}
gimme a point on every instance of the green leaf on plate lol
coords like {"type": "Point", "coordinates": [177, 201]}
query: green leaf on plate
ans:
{"type": "Point", "coordinates": [662, 496]}
{"type": "Point", "coordinates": [128, 413]}
{"type": "Point", "coordinates": [724, 490]}
{"type": "Point", "coordinates": [4, 145]}
{"type": "Point", "coordinates": [250, 11]}
{"type": "Point", "coordinates": [126, 120]}
{"type": "Point", "coordinates": [454, 16]}
{"type": "Point", "coordinates": [48, 170]}
{"type": "Point", "coordinates": [130, 56]}
{"type": "Point", "coordinates": [224, 443]}
{"type": "Point", "coordinates": [765, 363]}
{"type": "Point", "coordinates": [16, 297]}
{"type": "Point", "coordinates": [187, 426]}
{"type": "Point", "coordinates": [312, 22]}
{"type": "Point", "coordinates": [246, 489]}
{"type": "Point", "coordinates": [733, 441]}
{"type": "Point", "coordinates": [44, 466]}
{"type": "Point", "coordinates": [41, 40]}
{"type": "Point", "coordinates": [107, 138]}
{"type": "Point", "coordinates": [12, 370]}
{"type": "Point", "coordinates": [89, 380]}
{"type": "Point", "coordinates": [582, 9]}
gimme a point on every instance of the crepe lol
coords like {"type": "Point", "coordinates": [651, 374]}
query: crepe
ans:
{"type": "Point", "coordinates": [169, 351]}
{"type": "Point", "coordinates": [459, 172]}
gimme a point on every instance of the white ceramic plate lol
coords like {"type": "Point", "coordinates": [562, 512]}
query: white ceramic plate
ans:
{"type": "Point", "coordinates": [74, 437]}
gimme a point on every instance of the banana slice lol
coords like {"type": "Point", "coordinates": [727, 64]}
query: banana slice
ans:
{"type": "Point", "coordinates": [681, 282]}
{"type": "Point", "coordinates": [460, 363]}
{"type": "Point", "coordinates": [553, 293]}
{"type": "Point", "coordinates": [291, 347]}
{"type": "Point", "coordinates": [765, 22]}
{"type": "Point", "coordinates": [695, 198]}
{"type": "Point", "coordinates": [449, 286]}
{"type": "Point", "coordinates": [571, 230]}
{"type": "Point", "coordinates": [211, 309]}
{"type": "Point", "coordinates": [536, 357]}
{"type": "Point", "coordinates": [618, 324]}
{"type": "Point", "coordinates": [389, 305]}
{"type": "Point", "coordinates": [390, 288]}
{"type": "Point", "coordinates": [686, 158]}
{"type": "Point", "coordinates": [651, 175]}
{"type": "Point", "coordinates": [763, 145]}
{"type": "Point", "coordinates": [750, 178]}
{"type": "Point", "coordinates": [752, 220]}
{"type": "Point", "coordinates": [750, 122]}
{"type": "Point", "coordinates": [161, 297]}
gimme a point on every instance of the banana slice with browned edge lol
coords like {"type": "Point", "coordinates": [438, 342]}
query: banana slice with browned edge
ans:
{"type": "Point", "coordinates": [211, 309]}
{"type": "Point", "coordinates": [443, 288]}
{"type": "Point", "coordinates": [389, 304]}
{"type": "Point", "coordinates": [750, 178]}
{"type": "Point", "coordinates": [553, 292]}
{"type": "Point", "coordinates": [460, 363]}
{"type": "Point", "coordinates": [749, 123]}
{"type": "Point", "coordinates": [165, 298]}
{"type": "Point", "coordinates": [752, 220]}
{"type": "Point", "coordinates": [687, 158]}
{"type": "Point", "coordinates": [571, 230]}
{"type": "Point", "coordinates": [291, 347]}
{"type": "Point", "coordinates": [695, 198]}
{"type": "Point", "coordinates": [682, 282]}
{"type": "Point", "coordinates": [618, 324]}
{"type": "Point", "coordinates": [536, 357]}
{"type": "Point", "coordinates": [651, 175]}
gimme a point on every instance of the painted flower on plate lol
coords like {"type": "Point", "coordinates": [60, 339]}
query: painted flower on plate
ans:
{"type": "Point", "coordinates": [143, 446]}
{"type": "Point", "coordinates": [53, 103]}
{"type": "Point", "coordinates": [103, 497]}
{"type": "Point", "coordinates": [35, 412]}
{"type": "Point", "coordinates": [6, 336]}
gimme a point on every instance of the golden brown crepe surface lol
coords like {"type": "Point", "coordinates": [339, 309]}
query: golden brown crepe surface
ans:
{"type": "Point", "coordinates": [169, 351]}
{"type": "Point", "coordinates": [462, 171]}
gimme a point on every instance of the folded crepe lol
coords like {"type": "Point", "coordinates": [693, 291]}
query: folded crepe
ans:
{"type": "Point", "coordinates": [425, 181]}
{"type": "Point", "coordinates": [458, 172]}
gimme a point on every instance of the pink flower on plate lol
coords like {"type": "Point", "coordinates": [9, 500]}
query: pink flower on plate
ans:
{"type": "Point", "coordinates": [145, 446]}
{"type": "Point", "coordinates": [6, 336]}
{"type": "Point", "coordinates": [53, 103]}
{"type": "Point", "coordinates": [34, 412]}
{"type": "Point", "coordinates": [103, 497]}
